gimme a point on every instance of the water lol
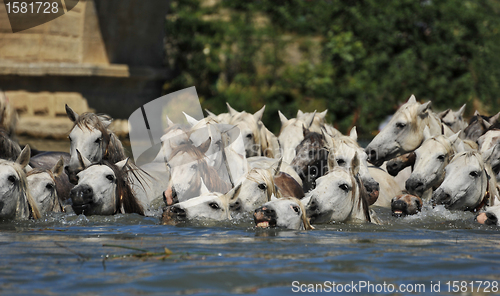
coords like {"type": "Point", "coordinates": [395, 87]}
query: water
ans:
{"type": "Point", "coordinates": [125, 254]}
{"type": "Point", "coordinates": [129, 255]}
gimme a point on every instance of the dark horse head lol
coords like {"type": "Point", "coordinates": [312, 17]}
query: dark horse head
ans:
{"type": "Point", "coordinates": [311, 159]}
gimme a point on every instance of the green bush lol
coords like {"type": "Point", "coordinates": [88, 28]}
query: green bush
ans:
{"type": "Point", "coordinates": [359, 59]}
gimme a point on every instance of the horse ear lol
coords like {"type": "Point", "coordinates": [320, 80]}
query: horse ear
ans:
{"type": "Point", "coordinates": [300, 113]}
{"type": "Point", "coordinates": [486, 123]}
{"type": "Point", "coordinates": [73, 116]}
{"type": "Point", "coordinates": [454, 137]}
{"type": "Point", "coordinates": [283, 118]}
{"type": "Point", "coordinates": [203, 188]}
{"type": "Point", "coordinates": [353, 134]}
{"type": "Point", "coordinates": [328, 138]}
{"type": "Point", "coordinates": [84, 162]}
{"type": "Point", "coordinates": [277, 167]}
{"type": "Point", "coordinates": [205, 145]}
{"type": "Point", "coordinates": [476, 113]}
{"type": "Point", "coordinates": [460, 111]}
{"type": "Point", "coordinates": [258, 115]}
{"type": "Point", "coordinates": [460, 147]}
{"type": "Point", "coordinates": [487, 154]}
{"type": "Point", "coordinates": [58, 167]}
{"type": "Point", "coordinates": [24, 158]}
{"type": "Point", "coordinates": [231, 110]}
{"type": "Point", "coordinates": [493, 119]}
{"type": "Point", "coordinates": [105, 119]}
{"type": "Point", "coordinates": [191, 120]}
{"type": "Point", "coordinates": [355, 163]}
{"type": "Point", "coordinates": [122, 163]}
{"type": "Point", "coordinates": [332, 162]}
{"type": "Point", "coordinates": [234, 192]}
{"type": "Point", "coordinates": [427, 133]}
{"type": "Point", "coordinates": [322, 115]}
{"type": "Point", "coordinates": [412, 99]}
{"type": "Point", "coordinates": [422, 109]}
{"type": "Point", "coordinates": [169, 121]}
{"type": "Point", "coordinates": [210, 113]}
{"type": "Point", "coordinates": [309, 120]}
{"type": "Point", "coordinates": [443, 114]}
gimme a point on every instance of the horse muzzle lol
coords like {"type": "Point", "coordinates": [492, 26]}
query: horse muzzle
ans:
{"type": "Point", "coordinates": [175, 213]}
{"type": "Point", "coordinates": [399, 208]}
{"type": "Point", "coordinates": [265, 217]}
{"type": "Point", "coordinates": [416, 186]}
{"type": "Point", "coordinates": [82, 197]}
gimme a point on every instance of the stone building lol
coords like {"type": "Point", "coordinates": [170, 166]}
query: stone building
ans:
{"type": "Point", "coordinates": [105, 54]}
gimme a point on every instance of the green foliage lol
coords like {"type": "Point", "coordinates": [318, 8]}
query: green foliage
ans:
{"type": "Point", "coordinates": [359, 59]}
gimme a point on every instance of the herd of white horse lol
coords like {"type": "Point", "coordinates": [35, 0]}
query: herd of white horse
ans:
{"type": "Point", "coordinates": [230, 166]}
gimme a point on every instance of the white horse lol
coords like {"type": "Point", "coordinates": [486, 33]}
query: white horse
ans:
{"type": "Point", "coordinates": [95, 142]}
{"type": "Point", "coordinates": [431, 158]}
{"type": "Point", "coordinates": [468, 185]}
{"type": "Point", "coordinates": [404, 132]}
{"type": "Point", "coordinates": [104, 189]}
{"type": "Point", "coordinates": [286, 212]}
{"type": "Point", "coordinates": [258, 140]}
{"type": "Point", "coordinates": [454, 119]}
{"type": "Point", "coordinates": [209, 206]}
{"type": "Point", "coordinates": [16, 202]}
{"type": "Point", "coordinates": [42, 187]}
{"type": "Point", "coordinates": [379, 185]}
{"type": "Point", "coordinates": [256, 188]}
{"type": "Point", "coordinates": [339, 196]}
{"type": "Point", "coordinates": [188, 167]}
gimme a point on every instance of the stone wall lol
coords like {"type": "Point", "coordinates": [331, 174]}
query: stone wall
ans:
{"type": "Point", "coordinates": [102, 54]}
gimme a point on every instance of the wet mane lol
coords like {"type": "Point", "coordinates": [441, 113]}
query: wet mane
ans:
{"type": "Point", "coordinates": [258, 175]}
{"type": "Point", "coordinates": [8, 148]}
{"type": "Point", "coordinates": [126, 202]}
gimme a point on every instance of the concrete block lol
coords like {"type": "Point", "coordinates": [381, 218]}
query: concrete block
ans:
{"type": "Point", "coordinates": [60, 49]}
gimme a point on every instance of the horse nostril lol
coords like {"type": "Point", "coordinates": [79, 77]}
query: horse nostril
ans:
{"type": "Point", "coordinates": [269, 212]}
{"type": "Point", "coordinates": [178, 211]}
{"type": "Point", "coordinates": [492, 219]}
{"type": "Point", "coordinates": [87, 191]}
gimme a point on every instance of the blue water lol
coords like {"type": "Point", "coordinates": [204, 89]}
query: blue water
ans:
{"type": "Point", "coordinates": [81, 255]}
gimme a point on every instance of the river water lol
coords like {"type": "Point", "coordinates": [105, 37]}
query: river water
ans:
{"type": "Point", "coordinates": [133, 255]}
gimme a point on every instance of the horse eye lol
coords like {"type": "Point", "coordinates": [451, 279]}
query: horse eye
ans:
{"type": "Point", "coordinates": [400, 125]}
{"type": "Point", "coordinates": [474, 174]}
{"type": "Point", "coordinates": [340, 162]}
{"type": "Point", "coordinates": [98, 140]}
{"type": "Point", "coordinates": [262, 186]}
{"type": "Point", "coordinates": [311, 154]}
{"type": "Point", "coordinates": [313, 171]}
{"type": "Point", "coordinates": [110, 177]}
{"type": "Point", "coordinates": [49, 186]}
{"type": "Point", "coordinates": [295, 209]}
{"type": "Point", "coordinates": [249, 136]}
{"type": "Point", "coordinates": [214, 205]}
{"type": "Point", "coordinates": [344, 187]}
{"type": "Point", "coordinates": [194, 167]}
{"type": "Point", "coordinates": [11, 178]}
{"type": "Point", "coordinates": [441, 157]}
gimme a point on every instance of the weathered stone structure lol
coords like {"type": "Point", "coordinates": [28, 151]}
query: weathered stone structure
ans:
{"type": "Point", "coordinates": [108, 53]}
